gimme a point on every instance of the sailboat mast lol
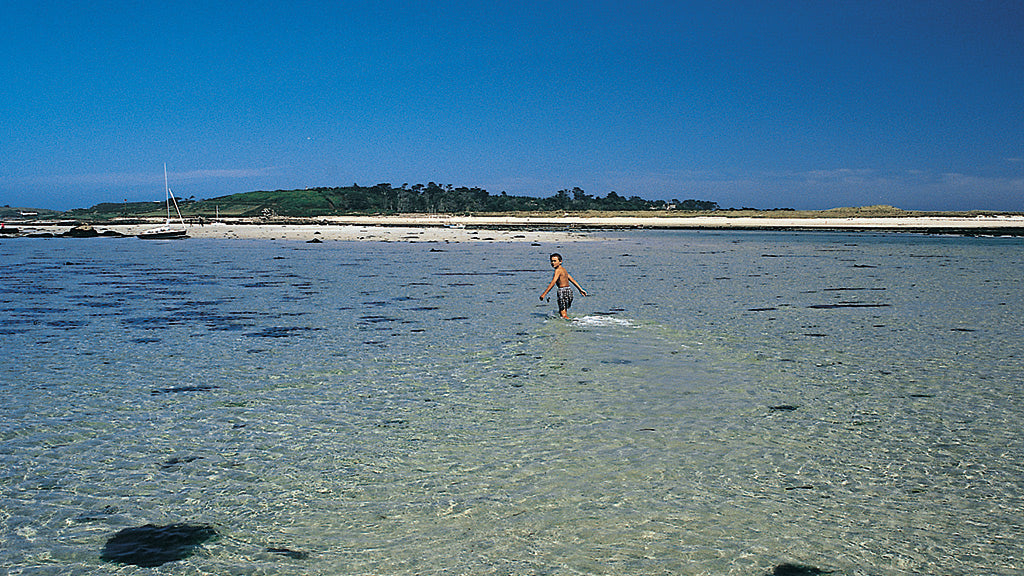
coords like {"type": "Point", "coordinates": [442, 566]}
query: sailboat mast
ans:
{"type": "Point", "coordinates": [167, 194]}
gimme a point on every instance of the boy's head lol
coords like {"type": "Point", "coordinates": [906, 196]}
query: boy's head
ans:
{"type": "Point", "coordinates": [556, 260]}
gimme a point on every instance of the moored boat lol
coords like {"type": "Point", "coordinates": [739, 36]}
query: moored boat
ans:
{"type": "Point", "coordinates": [169, 229]}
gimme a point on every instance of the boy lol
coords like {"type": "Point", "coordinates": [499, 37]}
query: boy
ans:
{"type": "Point", "coordinates": [562, 280]}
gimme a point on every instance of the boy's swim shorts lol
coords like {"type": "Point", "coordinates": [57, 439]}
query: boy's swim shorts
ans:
{"type": "Point", "coordinates": [564, 298]}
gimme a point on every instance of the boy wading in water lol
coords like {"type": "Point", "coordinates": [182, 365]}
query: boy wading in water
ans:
{"type": "Point", "coordinates": [562, 280]}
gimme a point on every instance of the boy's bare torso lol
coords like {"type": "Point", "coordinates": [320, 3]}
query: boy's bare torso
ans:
{"type": "Point", "coordinates": [561, 277]}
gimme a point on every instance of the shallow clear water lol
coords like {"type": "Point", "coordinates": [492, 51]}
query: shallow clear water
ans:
{"type": "Point", "coordinates": [721, 404]}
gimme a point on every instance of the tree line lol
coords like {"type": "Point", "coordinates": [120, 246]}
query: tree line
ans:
{"type": "Point", "coordinates": [435, 198]}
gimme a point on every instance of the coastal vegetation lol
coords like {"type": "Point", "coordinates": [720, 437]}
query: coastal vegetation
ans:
{"type": "Point", "coordinates": [384, 198]}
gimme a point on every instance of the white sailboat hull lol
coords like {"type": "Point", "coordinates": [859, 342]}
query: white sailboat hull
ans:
{"type": "Point", "coordinates": [163, 232]}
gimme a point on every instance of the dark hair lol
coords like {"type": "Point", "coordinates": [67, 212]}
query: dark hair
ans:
{"type": "Point", "coordinates": [556, 255]}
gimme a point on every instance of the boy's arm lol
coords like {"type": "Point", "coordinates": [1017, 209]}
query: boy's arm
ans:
{"type": "Point", "coordinates": [550, 286]}
{"type": "Point", "coordinates": [578, 287]}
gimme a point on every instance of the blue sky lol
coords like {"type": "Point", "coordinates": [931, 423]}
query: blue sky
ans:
{"type": "Point", "coordinates": [798, 104]}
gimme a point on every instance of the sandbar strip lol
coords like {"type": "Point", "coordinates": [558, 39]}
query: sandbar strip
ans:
{"type": "Point", "coordinates": [438, 228]}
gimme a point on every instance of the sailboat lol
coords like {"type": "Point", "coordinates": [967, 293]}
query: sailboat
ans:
{"type": "Point", "coordinates": [168, 230]}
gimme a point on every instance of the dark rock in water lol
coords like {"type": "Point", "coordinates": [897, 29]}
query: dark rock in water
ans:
{"type": "Point", "coordinates": [296, 554]}
{"type": "Point", "coordinates": [151, 545]}
{"type": "Point", "coordinates": [315, 241]}
{"type": "Point", "coordinates": [87, 231]}
{"type": "Point", "coordinates": [796, 570]}
{"type": "Point", "coordinates": [783, 408]}
{"type": "Point", "coordinates": [175, 462]}
{"type": "Point", "coordinates": [83, 231]}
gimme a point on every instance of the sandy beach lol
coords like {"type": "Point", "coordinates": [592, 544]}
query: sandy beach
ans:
{"type": "Point", "coordinates": [438, 228]}
{"type": "Point", "coordinates": [389, 232]}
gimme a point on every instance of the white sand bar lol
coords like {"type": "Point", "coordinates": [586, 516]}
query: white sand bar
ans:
{"type": "Point", "coordinates": [442, 228]}
{"type": "Point", "coordinates": [326, 232]}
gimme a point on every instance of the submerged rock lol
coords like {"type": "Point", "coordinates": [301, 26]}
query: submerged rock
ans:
{"type": "Point", "coordinates": [152, 545]}
{"type": "Point", "coordinates": [788, 569]}
{"type": "Point", "coordinates": [173, 463]}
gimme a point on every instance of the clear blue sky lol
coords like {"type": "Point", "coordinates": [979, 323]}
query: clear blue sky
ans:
{"type": "Point", "coordinates": [801, 104]}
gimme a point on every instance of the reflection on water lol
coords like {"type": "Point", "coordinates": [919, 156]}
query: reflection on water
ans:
{"type": "Point", "coordinates": [723, 403]}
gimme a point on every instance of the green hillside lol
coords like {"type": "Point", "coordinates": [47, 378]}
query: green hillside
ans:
{"type": "Point", "coordinates": [14, 213]}
{"type": "Point", "coordinates": [382, 199]}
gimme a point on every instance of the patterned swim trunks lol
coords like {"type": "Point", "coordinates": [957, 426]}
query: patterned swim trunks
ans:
{"type": "Point", "coordinates": [564, 298]}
